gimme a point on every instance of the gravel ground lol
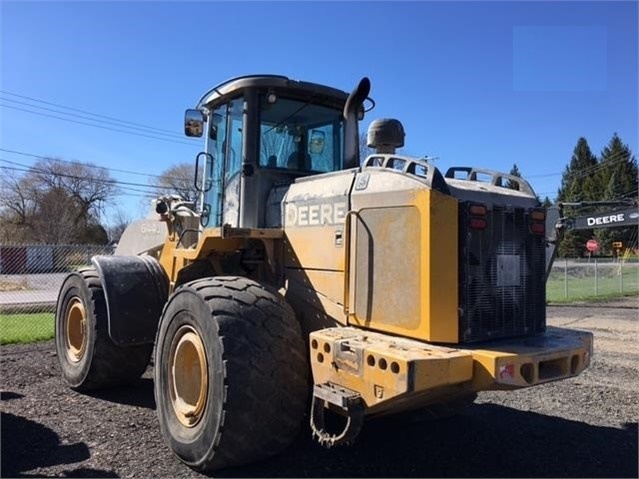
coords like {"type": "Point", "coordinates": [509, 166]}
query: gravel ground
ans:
{"type": "Point", "coordinates": [582, 427]}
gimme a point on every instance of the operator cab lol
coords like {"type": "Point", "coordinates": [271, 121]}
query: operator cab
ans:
{"type": "Point", "coordinates": [262, 131]}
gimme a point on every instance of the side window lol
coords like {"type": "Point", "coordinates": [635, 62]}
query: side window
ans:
{"type": "Point", "coordinates": [217, 127]}
{"type": "Point", "coordinates": [217, 135]}
{"type": "Point", "coordinates": [233, 145]}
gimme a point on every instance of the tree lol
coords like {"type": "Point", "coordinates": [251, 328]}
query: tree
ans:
{"type": "Point", "coordinates": [577, 185]}
{"type": "Point", "coordinates": [17, 206]}
{"type": "Point", "coordinates": [179, 180]}
{"type": "Point", "coordinates": [55, 202]}
{"type": "Point", "coordinates": [583, 164]}
{"type": "Point", "coordinates": [618, 172]}
{"type": "Point", "coordinates": [120, 221]}
{"type": "Point", "coordinates": [513, 185]}
{"type": "Point", "coordinates": [617, 179]}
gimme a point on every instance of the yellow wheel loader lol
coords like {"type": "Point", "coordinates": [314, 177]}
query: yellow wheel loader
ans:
{"type": "Point", "coordinates": [307, 284]}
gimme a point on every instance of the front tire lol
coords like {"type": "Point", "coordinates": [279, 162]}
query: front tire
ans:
{"type": "Point", "coordinates": [88, 359]}
{"type": "Point", "coordinates": [231, 373]}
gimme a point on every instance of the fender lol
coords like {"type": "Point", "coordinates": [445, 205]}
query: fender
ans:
{"type": "Point", "coordinates": [135, 290]}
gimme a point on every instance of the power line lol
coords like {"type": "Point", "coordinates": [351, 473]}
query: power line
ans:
{"type": "Point", "coordinates": [123, 190]}
{"type": "Point", "coordinates": [80, 163]}
{"type": "Point", "coordinates": [594, 169]}
{"type": "Point", "coordinates": [128, 191]}
{"type": "Point", "coordinates": [97, 126]}
{"type": "Point", "coordinates": [84, 111]}
{"type": "Point", "coordinates": [618, 158]}
{"type": "Point", "coordinates": [120, 124]}
{"type": "Point", "coordinates": [151, 190]}
{"type": "Point", "coordinates": [27, 168]}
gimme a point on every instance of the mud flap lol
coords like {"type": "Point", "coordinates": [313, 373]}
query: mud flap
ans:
{"type": "Point", "coordinates": [135, 289]}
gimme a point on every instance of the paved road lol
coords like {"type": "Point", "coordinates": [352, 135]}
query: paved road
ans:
{"type": "Point", "coordinates": [27, 297]}
{"type": "Point", "coordinates": [29, 289]}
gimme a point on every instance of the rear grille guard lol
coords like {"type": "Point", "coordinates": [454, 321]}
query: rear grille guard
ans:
{"type": "Point", "coordinates": [501, 269]}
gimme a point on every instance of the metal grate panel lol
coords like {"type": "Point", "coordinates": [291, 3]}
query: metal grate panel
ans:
{"type": "Point", "coordinates": [502, 290]}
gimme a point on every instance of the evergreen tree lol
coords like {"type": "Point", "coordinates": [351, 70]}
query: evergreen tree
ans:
{"type": "Point", "coordinates": [582, 165]}
{"type": "Point", "coordinates": [577, 184]}
{"type": "Point", "coordinates": [618, 172]}
{"type": "Point", "coordinates": [617, 179]}
{"type": "Point", "coordinates": [546, 203]}
{"type": "Point", "coordinates": [513, 185]}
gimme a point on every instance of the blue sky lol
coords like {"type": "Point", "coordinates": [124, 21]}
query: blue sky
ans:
{"type": "Point", "coordinates": [475, 83]}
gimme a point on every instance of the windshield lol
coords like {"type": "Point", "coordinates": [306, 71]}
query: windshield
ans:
{"type": "Point", "coordinates": [299, 135]}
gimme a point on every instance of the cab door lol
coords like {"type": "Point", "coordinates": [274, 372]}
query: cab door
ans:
{"type": "Point", "coordinates": [224, 144]}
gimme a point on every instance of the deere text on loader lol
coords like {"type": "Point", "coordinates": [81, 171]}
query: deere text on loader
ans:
{"type": "Point", "coordinates": [304, 282]}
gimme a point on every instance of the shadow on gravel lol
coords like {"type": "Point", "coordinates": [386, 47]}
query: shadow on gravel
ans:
{"type": "Point", "coordinates": [4, 395]}
{"type": "Point", "coordinates": [484, 441]}
{"type": "Point", "coordinates": [27, 445]}
{"type": "Point", "coordinates": [79, 472]}
{"type": "Point", "coordinates": [139, 394]}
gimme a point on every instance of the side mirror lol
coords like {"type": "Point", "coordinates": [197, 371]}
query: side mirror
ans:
{"type": "Point", "coordinates": [193, 123]}
{"type": "Point", "coordinates": [316, 143]}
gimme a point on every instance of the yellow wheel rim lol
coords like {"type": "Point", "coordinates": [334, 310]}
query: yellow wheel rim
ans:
{"type": "Point", "coordinates": [76, 330]}
{"type": "Point", "coordinates": [189, 380]}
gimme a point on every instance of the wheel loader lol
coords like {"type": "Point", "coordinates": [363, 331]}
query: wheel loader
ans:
{"type": "Point", "coordinates": [308, 285]}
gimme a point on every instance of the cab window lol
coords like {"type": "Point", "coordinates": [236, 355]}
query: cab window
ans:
{"type": "Point", "coordinates": [300, 136]}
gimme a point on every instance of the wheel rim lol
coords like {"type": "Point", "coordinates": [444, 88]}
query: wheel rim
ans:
{"type": "Point", "coordinates": [188, 376]}
{"type": "Point", "coordinates": [75, 329]}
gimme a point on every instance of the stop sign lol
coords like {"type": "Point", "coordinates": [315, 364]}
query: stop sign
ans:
{"type": "Point", "coordinates": [592, 245]}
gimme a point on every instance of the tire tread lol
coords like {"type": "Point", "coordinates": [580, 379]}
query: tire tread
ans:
{"type": "Point", "coordinates": [265, 370]}
{"type": "Point", "coordinates": [111, 365]}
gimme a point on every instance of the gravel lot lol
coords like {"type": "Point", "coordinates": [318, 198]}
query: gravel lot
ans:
{"type": "Point", "coordinates": [583, 427]}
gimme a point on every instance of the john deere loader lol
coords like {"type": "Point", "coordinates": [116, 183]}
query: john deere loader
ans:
{"type": "Point", "coordinates": [307, 284]}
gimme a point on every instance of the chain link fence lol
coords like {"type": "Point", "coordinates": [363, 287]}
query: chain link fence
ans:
{"type": "Point", "coordinates": [594, 277]}
{"type": "Point", "coordinates": [30, 278]}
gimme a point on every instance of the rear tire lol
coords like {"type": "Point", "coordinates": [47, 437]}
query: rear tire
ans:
{"type": "Point", "coordinates": [88, 359]}
{"type": "Point", "coordinates": [231, 373]}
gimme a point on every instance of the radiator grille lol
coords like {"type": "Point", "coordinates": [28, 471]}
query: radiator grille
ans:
{"type": "Point", "coordinates": [502, 276]}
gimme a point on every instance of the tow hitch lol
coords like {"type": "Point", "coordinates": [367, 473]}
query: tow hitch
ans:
{"type": "Point", "coordinates": [347, 403]}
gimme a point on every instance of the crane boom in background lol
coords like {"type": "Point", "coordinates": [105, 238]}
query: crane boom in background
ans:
{"type": "Point", "coordinates": [557, 224]}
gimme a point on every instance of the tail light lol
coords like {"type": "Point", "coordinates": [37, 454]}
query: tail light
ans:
{"type": "Point", "coordinates": [477, 216]}
{"type": "Point", "coordinates": [538, 222]}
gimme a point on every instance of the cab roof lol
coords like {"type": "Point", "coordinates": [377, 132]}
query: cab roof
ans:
{"type": "Point", "coordinates": [279, 83]}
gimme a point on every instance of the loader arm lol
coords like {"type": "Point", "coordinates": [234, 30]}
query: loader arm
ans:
{"type": "Point", "coordinates": [557, 224]}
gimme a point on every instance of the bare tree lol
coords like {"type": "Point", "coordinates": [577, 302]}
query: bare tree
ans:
{"type": "Point", "coordinates": [179, 180]}
{"type": "Point", "coordinates": [17, 195]}
{"type": "Point", "coordinates": [89, 186]}
{"type": "Point", "coordinates": [55, 202]}
{"type": "Point", "coordinates": [120, 221]}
